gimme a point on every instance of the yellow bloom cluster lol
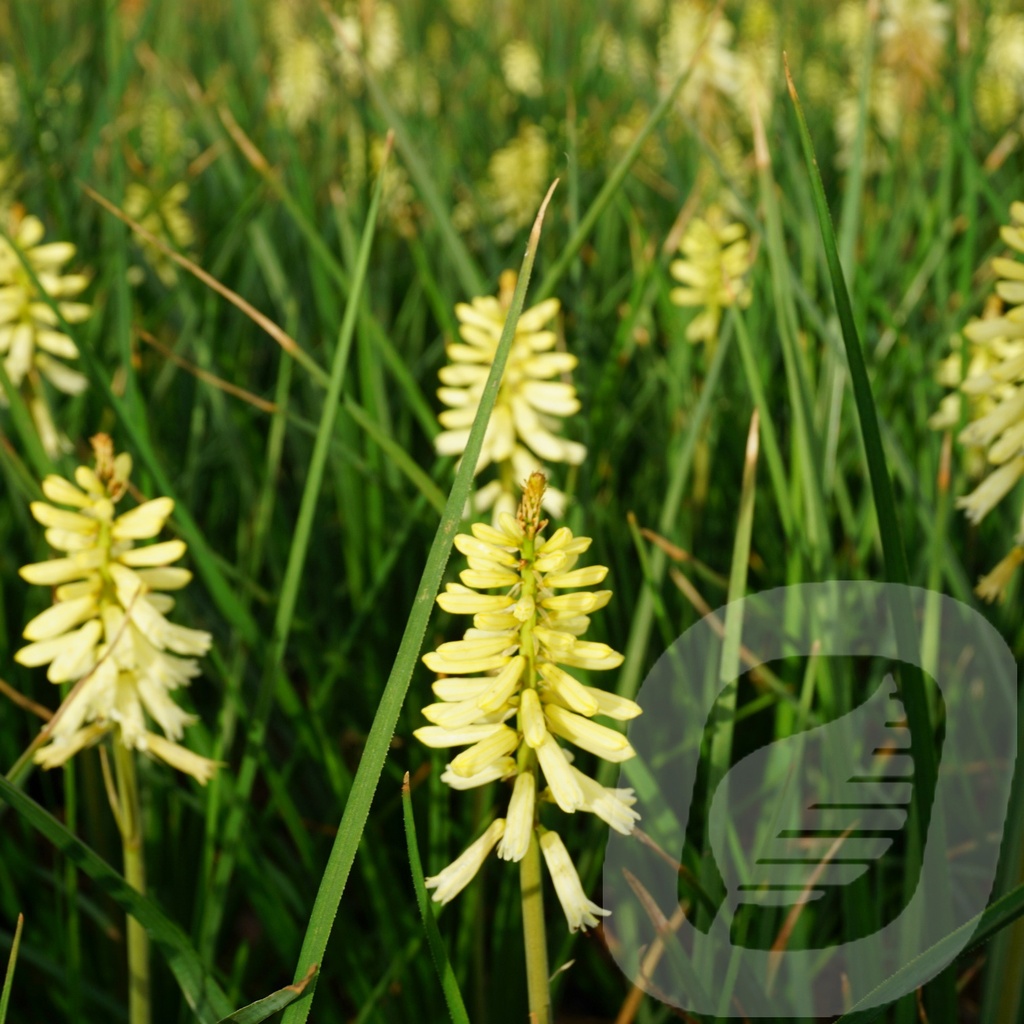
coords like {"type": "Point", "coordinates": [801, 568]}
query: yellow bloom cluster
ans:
{"type": "Point", "coordinates": [507, 698]}
{"type": "Point", "coordinates": [997, 425]}
{"type": "Point", "coordinates": [29, 338]}
{"type": "Point", "coordinates": [713, 273]}
{"type": "Point", "coordinates": [521, 429]}
{"type": "Point", "coordinates": [517, 177]}
{"type": "Point", "coordinates": [106, 631]}
{"type": "Point", "coordinates": [162, 213]}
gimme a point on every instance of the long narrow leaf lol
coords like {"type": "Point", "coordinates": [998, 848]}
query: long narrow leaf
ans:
{"type": "Point", "coordinates": [881, 486]}
{"type": "Point", "coordinates": [5, 995]}
{"type": "Point", "coordinates": [201, 991]}
{"type": "Point", "coordinates": [290, 585]}
{"type": "Point", "coordinates": [266, 1007]}
{"type": "Point", "coordinates": [997, 917]}
{"type": "Point", "coordinates": [357, 808]}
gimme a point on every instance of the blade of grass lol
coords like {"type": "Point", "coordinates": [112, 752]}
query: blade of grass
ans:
{"type": "Point", "coordinates": [5, 995]}
{"type": "Point", "coordinates": [357, 808]}
{"type": "Point", "coordinates": [289, 592]}
{"type": "Point", "coordinates": [449, 984]}
{"type": "Point", "coordinates": [985, 926]}
{"type": "Point", "coordinates": [911, 678]}
{"type": "Point", "coordinates": [201, 991]}
{"type": "Point", "coordinates": [266, 1007]}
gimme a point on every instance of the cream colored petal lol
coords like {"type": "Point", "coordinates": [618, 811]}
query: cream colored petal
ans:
{"type": "Point", "coordinates": [165, 578]}
{"type": "Point", "coordinates": [471, 604]}
{"type": "Point", "coordinates": [535, 318]}
{"type": "Point", "coordinates": [452, 714]}
{"type": "Point", "coordinates": [53, 755]}
{"type": "Point", "coordinates": [451, 442]}
{"type": "Point", "coordinates": [558, 774]}
{"type": "Point", "coordinates": [588, 735]}
{"type": "Point", "coordinates": [437, 736]}
{"type": "Point", "coordinates": [60, 618]}
{"type": "Point", "coordinates": [593, 656]}
{"type": "Point", "coordinates": [586, 577]}
{"type": "Point", "coordinates": [56, 344]}
{"type": "Point", "coordinates": [154, 554]}
{"type": "Point", "coordinates": [457, 875]}
{"type": "Point", "coordinates": [62, 377]}
{"type": "Point", "coordinates": [580, 912]}
{"type": "Point", "coordinates": [581, 603]}
{"type": "Point", "coordinates": [485, 752]}
{"type": "Point", "coordinates": [78, 654]}
{"type": "Point", "coordinates": [450, 666]}
{"type": "Point", "coordinates": [573, 694]}
{"type": "Point", "coordinates": [551, 397]}
{"type": "Point", "coordinates": [503, 686]}
{"type": "Point", "coordinates": [499, 769]}
{"type": "Point", "coordinates": [49, 574]}
{"type": "Point", "coordinates": [202, 769]}
{"type": "Point", "coordinates": [519, 820]}
{"type": "Point", "coordinates": [143, 521]}
{"type": "Point", "coordinates": [56, 488]}
{"type": "Point", "coordinates": [75, 312]}
{"type": "Point", "coordinates": [461, 688]}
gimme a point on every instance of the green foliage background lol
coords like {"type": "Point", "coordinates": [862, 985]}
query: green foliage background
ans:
{"type": "Point", "coordinates": [915, 232]}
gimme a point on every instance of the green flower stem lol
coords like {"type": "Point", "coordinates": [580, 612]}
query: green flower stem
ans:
{"type": "Point", "coordinates": [534, 936]}
{"type": "Point", "coordinates": [135, 875]}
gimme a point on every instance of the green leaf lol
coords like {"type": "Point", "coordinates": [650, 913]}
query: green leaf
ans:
{"type": "Point", "coordinates": [205, 997]}
{"type": "Point", "coordinates": [290, 586]}
{"type": "Point", "coordinates": [984, 926]}
{"type": "Point", "coordinates": [910, 676]}
{"type": "Point", "coordinates": [269, 1005]}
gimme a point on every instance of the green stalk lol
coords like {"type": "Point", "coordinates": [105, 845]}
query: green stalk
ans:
{"type": "Point", "coordinates": [535, 938]}
{"type": "Point", "coordinates": [5, 995]}
{"type": "Point", "coordinates": [130, 823]}
{"type": "Point", "coordinates": [534, 935]}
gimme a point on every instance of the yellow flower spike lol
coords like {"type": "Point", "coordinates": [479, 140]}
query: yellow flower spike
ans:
{"type": "Point", "coordinates": [510, 721]}
{"type": "Point", "coordinates": [106, 631]}
{"type": "Point", "coordinates": [713, 273]}
{"type": "Point", "coordinates": [522, 431]}
{"type": "Point", "coordinates": [994, 386]}
{"type": "Point", "coordinates": [30, 344]}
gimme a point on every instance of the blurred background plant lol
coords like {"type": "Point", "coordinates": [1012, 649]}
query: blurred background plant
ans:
{"type": "Point", "coordinates": [247, 137]}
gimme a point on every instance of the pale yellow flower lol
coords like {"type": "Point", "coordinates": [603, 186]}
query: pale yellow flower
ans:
{"type": "Point", "coordinates": [507, 698]}
{"type": "Point", "coordinates": [716, 72]}
{"type": "Point", "coordinates": [999, 93]}
{"type": "Point", "coordinates": [300, 80]}
{"type": "Point", "coordinates": [520, 65]}
{"type": "Point", "coordinates": [997, 423]}
{"type": "Point", "coordinates": [376, 40]}
{"type": "Point", "coordinates": [913, 36]}
{"type": "Point", "coordinates": [162, 213]}
{"type": "Point", "coordinates": [713, 273]}
{"type": "Point", "coordinates": [517, 178]}
{"type": "Point", "coordinates": [29, 334]}
{"type": "Point", "coordinates": [107, 631]}
{"type": "Point", "coordinates": [521, 431]}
